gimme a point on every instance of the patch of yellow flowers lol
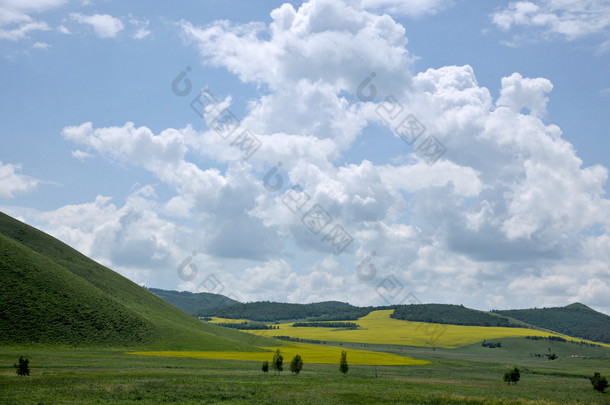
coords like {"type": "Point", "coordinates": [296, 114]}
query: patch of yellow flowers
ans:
{"type": "Point", "coordinates": [311, 353]}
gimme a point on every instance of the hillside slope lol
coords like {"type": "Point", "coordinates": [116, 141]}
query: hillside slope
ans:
{"type": "Point", "coordinates": [50, 293]}
{"type": "Point", "coordinates": [574, 320]}
{"type": "Point", "coordinates": [192, 303]}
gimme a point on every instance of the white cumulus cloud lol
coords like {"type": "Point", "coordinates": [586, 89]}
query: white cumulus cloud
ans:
{"type": "Point", "coordinates": [104, 25]}
{"type": "Point", "coordinates": [570, 19]}
{"type": "Point", "coordinates": [13, 183]}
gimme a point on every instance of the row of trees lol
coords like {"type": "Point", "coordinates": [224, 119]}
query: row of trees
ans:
{"type": "Point", "coordinates": [344, 325]}
{"type": "Point", "coordinates": [265, 311]}
{"type": "Point", "coordinates": [448, 314]}
{"type": "Point", "coordinates": [296, 365]}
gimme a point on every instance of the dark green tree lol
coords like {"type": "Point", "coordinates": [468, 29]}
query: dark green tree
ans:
{"type": "Point", "coordinates": [265, 367]}
{"type": "Point", "coordinates": [512, 376]}
{"type": "Point", "coordinates": [296, 365]}
{"type": "Point", "coordinates": [343, 367]}
{"type": "Point", "coordinates": [600, 383]}
{"type": "Point", "coordinates": [278, 361]}
{"type": "Point", "coordinates": [23, 367]}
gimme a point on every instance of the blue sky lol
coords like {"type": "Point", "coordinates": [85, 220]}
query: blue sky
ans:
{"type": "Point", "coordinates": [101, 147]}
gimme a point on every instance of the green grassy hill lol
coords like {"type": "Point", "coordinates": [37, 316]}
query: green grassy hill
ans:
{"type": "Point", "coordinates": [52, 294]}
{"type": "Point", "coordinates": [193, 303]}
{"type": "Point", "coordinates": [576, 320]}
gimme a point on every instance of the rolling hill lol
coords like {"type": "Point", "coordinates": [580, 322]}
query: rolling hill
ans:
{"type": "Point", "coordinates": [52, 294]}
{"type": "Point", "coordinates": [193, 303]}
{"type": "Point", "coordinates": [575, 320]}
{"type": "Point", "coordinates": [266, 311]}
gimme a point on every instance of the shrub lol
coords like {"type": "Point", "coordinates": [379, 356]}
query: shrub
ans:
{"type": "Point", "coordinates": [23, 367]}
{"type": "Point", "coordinates": [296, 365]}
{"type": "Point", "coordinates": [600, 383]}
{"type": "Point", "coordinates": [512, 376]}
{"type": "Point", "coordinates": [343, 367]}
{"type": "Point", "coordinates": [278, 361]}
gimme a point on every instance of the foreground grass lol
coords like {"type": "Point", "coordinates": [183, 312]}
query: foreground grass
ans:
{"type": "Point", "coordinates": [96, 376]}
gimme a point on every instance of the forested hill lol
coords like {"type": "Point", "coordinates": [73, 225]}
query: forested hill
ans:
{"type": "Point", "coordinates": [193, 303]}
{"type": "Point", "coordinates": [576, 320]}
{"type": "Point", "coordinates": [277, 311]}
{"type": "Point", "coordinates": [451, 314]}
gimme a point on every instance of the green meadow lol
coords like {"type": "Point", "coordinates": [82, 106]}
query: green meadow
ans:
{"type": "Point", "coordinates": [470, 375]}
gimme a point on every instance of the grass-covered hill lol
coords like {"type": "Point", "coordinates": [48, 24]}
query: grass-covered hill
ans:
{"type": "Point", "coordinates": [266, 311]}
{"type": "Point", "coordinates": [52, 294]}
{"type": "Point", "coordinates": [193, 303]}
{"type": "Point", "coordinates": [452, 314]}
{"type": "Point", "coordinates": [576, 320]}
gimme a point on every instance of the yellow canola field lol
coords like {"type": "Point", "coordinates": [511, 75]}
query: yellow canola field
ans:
{"type": "Point", "coordinates": [310, 353]}
{"type": "Point", "coordinates": [378, 327]}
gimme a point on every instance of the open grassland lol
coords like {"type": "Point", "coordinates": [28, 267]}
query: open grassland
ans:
{"type": "Point", "coordinates": [471, 375]}
{"type": "Point", "coordinates": [319, 354]}
{"type": "Point", "coordinates": [378, 328]}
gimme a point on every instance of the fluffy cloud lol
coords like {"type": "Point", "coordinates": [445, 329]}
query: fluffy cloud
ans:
{"type": "Point", "coordinates": [324, 42]}
{"type": "Point", "coordinates": [509, 203]}
{"type": "Point", "coordinates": [134, 239]}
{"type": "Point", "coordinates": [104, 25]}
{"type": "Point", "coordinates": [518, 93]}
{"type": "Point", "coordinates": [13, 182]}
{"type": "Point", "coordinates": [571, 19]}
{"type": "Point", "coordinates": [16, 20]}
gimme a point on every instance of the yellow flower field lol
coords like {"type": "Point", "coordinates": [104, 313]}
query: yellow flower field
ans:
{"type": "Point", "coordinates": [378, 327]}
{"type": "Point", "coordinates": [320, 354]}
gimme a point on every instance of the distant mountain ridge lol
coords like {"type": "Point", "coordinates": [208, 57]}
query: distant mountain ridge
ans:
{"type": "Point", "coordinates": [193, 303]}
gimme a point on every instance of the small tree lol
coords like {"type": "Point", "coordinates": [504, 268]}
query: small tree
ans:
{"type": "Point", "coordinates": [23, 367]}
{"type": "Point", "coordinates": [296, 365]}
{"type": "Point", "coordinates": [343, 367]}
{"type": "Point", "coordinates": [265, 367]}
{"type": "Point", "coordinates": [278, 361]}
{"type": "Point", "coordinates": [512, 376]}
{"type": "Point", "coordinates": [600, 383]}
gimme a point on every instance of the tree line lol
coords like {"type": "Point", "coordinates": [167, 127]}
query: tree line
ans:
{"type": "Point", "coordinates": [266, 311]}
{"type": "Point", "coordinates": [247, 325]}
{"type": "Point", "coordinates": [449, 314]}
{"type": "Point", "coordinates": [341, 325]}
